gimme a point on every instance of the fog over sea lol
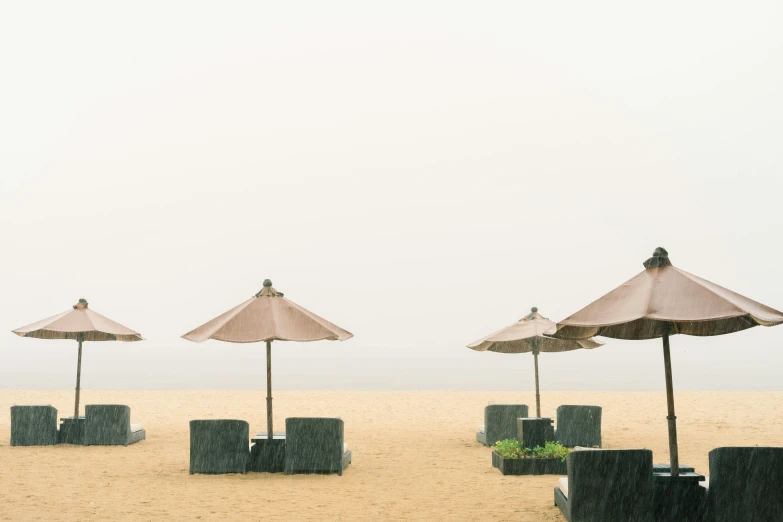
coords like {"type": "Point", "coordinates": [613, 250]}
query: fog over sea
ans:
{"type": "Point", "coordinates": [418, 173]}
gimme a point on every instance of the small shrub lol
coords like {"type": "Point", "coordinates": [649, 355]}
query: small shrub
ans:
{"type": "Point", "coordinates": [512, 449]}
{"type": "Point", "coordinates": [554, 450]}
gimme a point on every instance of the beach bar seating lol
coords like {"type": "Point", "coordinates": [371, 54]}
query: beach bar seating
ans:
{"type": "Point", "coordinates": [315, 445]}
{"type": "Point", "coordinates": [500, 422]}
{"type": "Point", "coordinates": [110, 425]}
{"type": "Point", "coordinates": [607, 486]}
{"type": "Point", "coordinates": [579, 426]}
{"type": "Point", "coordinates": [33, 425]}
{"type": "Point", "coordinates": [219, 446]}
{"type": "Point", "coordinates": [745, 484]}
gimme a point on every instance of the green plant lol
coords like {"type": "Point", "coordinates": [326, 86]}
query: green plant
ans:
{"type": "Point", "coordinates": [554, 450]}
{"type": "Point", "coordinates": [512, 449]}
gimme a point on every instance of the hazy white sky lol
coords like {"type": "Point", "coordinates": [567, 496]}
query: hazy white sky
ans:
{"type": "Point", "coordinates": [420, 173]}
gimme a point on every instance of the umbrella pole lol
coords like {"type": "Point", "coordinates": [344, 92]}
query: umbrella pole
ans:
{"type": "Point", "coordinates": [269, 390]}
{"type": "Point", "coordinates": [538, 397]}
{"type": "Point", "coordinates": [80, 338]}
{"type": "Point", "coordinates": [673, 452]}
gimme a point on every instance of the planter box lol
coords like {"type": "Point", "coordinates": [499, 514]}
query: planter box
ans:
{"type": "Point", "coordinates": [529, 466]}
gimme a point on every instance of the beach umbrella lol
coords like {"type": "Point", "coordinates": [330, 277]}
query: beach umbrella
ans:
{"type": "Point", "coordinates": [267, 317]}
{"type": "Point", "coordinates": [80, 324]}
{"type": "Point", "coordinates": [663, 301]}
{"type": "Point", "coordinates": [527, 335]}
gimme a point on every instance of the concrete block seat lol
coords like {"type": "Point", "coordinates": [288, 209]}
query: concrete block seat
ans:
{"type": "Point", "coordinates": [315, 445]}
{"type": "Point", "coordinates": [267, 456]}
{"type": "Point", "coordinates": [71, 430]}
{"type": "Point", "coordinates": [745, 484]}
{"type": "Point", "coordinates": [578, 426]}
{"type": "Point", "coordinates": [534, 431]}
{"type": "Point", "coordinates": [500, 422]}
{"type": "Point", "coordinates": [33, 425]}
{"type": "Point", "coordinates": [110, 425]}
{"type": "Point", "coordinates": [219, 446]}
{"type": "Point", "coordinates": [607, 486]}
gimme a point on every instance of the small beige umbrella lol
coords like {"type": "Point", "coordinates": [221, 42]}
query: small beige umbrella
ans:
{"type": "Point", "coordinates": [527, 335]}
{"type": "Point", "coordinates": [663, 301]}
{"type": "Point", "coordinates": [268, 316]}
{"type": "Point", "coordinates": [80, 324]}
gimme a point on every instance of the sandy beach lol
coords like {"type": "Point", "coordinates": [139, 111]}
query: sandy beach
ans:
{"type": "Point", "coordinates": [415, 456]}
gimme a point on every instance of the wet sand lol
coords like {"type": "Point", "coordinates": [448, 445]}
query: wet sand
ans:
{"type": "Point", "coordinates": [415, 456]}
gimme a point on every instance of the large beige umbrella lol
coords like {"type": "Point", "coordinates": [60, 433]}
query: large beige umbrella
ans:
{"type": "Point", "coordinates": [80, 324]}
{"type": "Point", "coordinates": [268, 316]}
{"type": "Point", "coordinates": [662, 301]}
{"type": "Point", "coordinates": [527, 335]}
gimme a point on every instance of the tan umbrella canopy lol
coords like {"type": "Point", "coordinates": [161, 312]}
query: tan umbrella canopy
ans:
{"type": "Point", "coordinates": [662, 301]}
{"type": "Point", "coordinates": [267, 317]}
{"type": "Point", "coordinates": [80, 324]}
{"type": "Point", "coordinates": [527, 335]}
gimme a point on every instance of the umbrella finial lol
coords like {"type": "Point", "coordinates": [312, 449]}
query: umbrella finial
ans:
{"type": "Point", "coordinates": [532, 315]}
{"type": "Point", "coordinates": [81, 305]}
{"type": "Point", "coordinates": [268, 290]}
{"type": "Point", "coordinates": [659, 258]}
